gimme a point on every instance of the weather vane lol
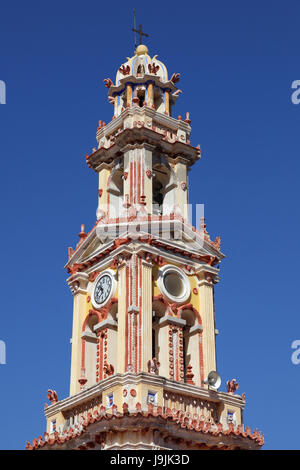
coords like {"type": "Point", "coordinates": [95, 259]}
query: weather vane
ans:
{"type": "Point", "coordinates": [139, 31]}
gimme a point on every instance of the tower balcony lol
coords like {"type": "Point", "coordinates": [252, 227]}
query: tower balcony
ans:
{"type": "Point", "coordinates": [122, 397]}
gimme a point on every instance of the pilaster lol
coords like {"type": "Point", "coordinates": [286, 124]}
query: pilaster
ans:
{"type": "Point", "coordinates": [206, 302]}
{"type": "Point", "coordinates": [103, 196]}
{"type": "Point", "coordinates": [122, 310]}
{"type": "Point", "coordinates": [146, 311]}
{"type": "Point", "coordinates": [78, 283]}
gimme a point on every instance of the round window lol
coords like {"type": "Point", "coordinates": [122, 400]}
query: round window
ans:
{"type": "Point", "coordinates": [174, 284]}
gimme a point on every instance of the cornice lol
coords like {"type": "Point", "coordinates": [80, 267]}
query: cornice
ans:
{"type": "Point", "coordinates": [78, 283]}
{"type": "Point", "coordinates": [136, 135]}
{"type": "Point", "coordinates": [141, 145]}
{"type": "Point", "coordinates": [143, 80]}
{"type": "Point", "coordinates": [170, 251]}
{"type": "Point", "coordinates": [147, 379]}
{"type": "Point", "coordinates": [159, 118]}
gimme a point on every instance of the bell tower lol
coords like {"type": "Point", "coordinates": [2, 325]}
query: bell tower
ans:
{"type": "Point", "coordinates": [143, 279]}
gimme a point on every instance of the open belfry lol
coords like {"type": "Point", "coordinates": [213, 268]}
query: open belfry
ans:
{"type": "Point", "coordinates": [143, 342]}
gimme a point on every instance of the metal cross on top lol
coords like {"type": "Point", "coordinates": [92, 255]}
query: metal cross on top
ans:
{"type": "Point", "coordinates": [139, 31]}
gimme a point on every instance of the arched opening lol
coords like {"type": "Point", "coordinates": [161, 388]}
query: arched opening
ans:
{"type": "Point", "coordinates": [140, 70]}
{"type": "Point", "coordinates": [162, 197]}
{"type": "Point", "coordinates": [115, 188]}
{"type": "Point", "coordinates": [123, 100]}
{"type": "Point", "coordinates": [89, 350]}
{"type": "Point", "coordinates": [112, 336]}
{"type": "Point", "coordinates": [158, 312]}
{"type": "Point", "coordinates": [107, 332]}
{"type": "Point", "coordinates": [139, 67]}
{"type": "Point", "coordinates": [192, 343]}
{"type": "Point", "coordinates": [158, 100]}
{"type": "Point", "coordinates": [189, 317]}
{"type": "Point", "coordinates": [158, 197]}
{"type": "Point", "coordinates": [141, 96]}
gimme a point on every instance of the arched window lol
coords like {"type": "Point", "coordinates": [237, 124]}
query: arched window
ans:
{"type": "Point", "coordinates": [140, 69]}
{"type": "Point", "coordinates": [192, 343]}
{"type": "Point", "coordinates": [89, 350]}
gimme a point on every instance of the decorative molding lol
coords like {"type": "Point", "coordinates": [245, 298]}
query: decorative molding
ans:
{"type": "Point", "coordinates": [78, 283]}
{"type": "Point", "coordinates": [172, 321]}
{"type": "Point", "coordinates": [178, 425]}
{"type": "Point", "coordinates": [107, 323]}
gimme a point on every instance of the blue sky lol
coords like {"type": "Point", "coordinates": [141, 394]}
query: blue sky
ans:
{"type": "Point", "coordinates": [237, 62]}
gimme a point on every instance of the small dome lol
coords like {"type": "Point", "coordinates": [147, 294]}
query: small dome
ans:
{"type": "Point", "coordinates": [141, 50]}
{"type": "Point", "coordinates": [138, 65]}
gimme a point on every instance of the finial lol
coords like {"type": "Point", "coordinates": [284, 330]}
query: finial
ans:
{"type": "Point", "coordinates": [189, 375]}
{"type": "Point", "coordinates": [82, 233]}
{"type": "Point", "coordinates": [82, 380]}
{"type": "Point", "coordinates": [187, 118]}
{"type": "Point", "coordinates": [141, 50]}
{"type": "Point", "coordinates": [52, 396]}
{"type": "Point", "coordinates": [202, 225]}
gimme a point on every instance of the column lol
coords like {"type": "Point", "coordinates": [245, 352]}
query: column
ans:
{"type": "Point", "coordinates": [128, 95]}
{"type": "Point", "coordinates": [150, 95]}
{"type": "Point", "coordinates": [167, 102]}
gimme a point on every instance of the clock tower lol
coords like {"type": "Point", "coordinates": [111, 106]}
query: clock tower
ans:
{"type": "Point", "coordinates": [143, 341]}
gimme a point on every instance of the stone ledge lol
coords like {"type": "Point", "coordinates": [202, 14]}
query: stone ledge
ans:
{"type": "Point", "coordinates": [148, 379]}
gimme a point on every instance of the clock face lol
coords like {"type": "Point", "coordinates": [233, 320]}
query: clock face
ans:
{"type": "Point", "coordinates": [103, 289]}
